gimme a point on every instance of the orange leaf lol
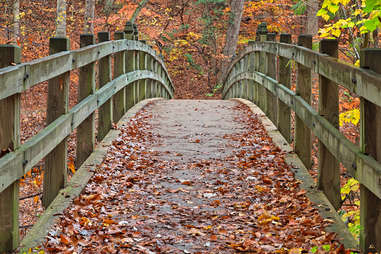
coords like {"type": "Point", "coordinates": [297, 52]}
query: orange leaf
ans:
{"type": "Point", "coordinates": [65, 239]}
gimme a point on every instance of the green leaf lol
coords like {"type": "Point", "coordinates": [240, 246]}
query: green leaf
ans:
{"type": "Point", "coordinates": [314, 249]}
{"type": "Point", "coordinates": [370, 5]}
{"type": "Point", "coordinates": [327, 247]}
{"type": "Point", "coordinates": [371, 24]}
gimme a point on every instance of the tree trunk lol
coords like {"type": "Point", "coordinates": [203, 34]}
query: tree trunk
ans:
{"type": "Point", "coordinates": [61, 18]}
{"type": "Point", "coordinates": [89, 17]}
{"type": "Point", "coordinates": [138, 10]}
{"type": "Point", "coordinates": [16, 22]}
{"type": "Point", "coordinates": [312, 20]}
{"type": "Point", "coordinates": [232, 32]}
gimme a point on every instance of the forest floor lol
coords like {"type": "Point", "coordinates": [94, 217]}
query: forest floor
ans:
{"type": "Point", "coordinates": [188, 176]}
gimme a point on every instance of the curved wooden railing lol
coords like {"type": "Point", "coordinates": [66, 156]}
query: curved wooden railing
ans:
{"type": "Point", "coordinates": [139, 73]}
{"type": "Point", "coordinates": [261, 73]}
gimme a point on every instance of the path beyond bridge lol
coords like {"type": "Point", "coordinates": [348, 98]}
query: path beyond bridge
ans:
{"type": "Point", "coordinates": [188, 176]}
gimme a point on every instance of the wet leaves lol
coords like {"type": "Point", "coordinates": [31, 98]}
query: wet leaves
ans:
{"type": "Point", "coordinates": [145, 198]}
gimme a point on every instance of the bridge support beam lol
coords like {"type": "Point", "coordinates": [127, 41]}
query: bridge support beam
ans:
{"type": "Point", "coordinates": [370, 142]}
{"type": "Point", "coordinates": [303, 144]}
{"type": "Point", "coordinates": [9, 141]}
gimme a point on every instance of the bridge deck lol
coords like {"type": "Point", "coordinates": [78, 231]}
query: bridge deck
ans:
{"type": "Point", "coordinates": [198, 177]}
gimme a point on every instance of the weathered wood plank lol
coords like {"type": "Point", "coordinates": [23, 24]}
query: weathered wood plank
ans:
{"type": "Point", "coordinates": [48, 67]}
{"type": "Point", "coordinates": [284, 77]}
{"type": "Point", "coordinates": [142, 83]}
{"type": "Point", "coordinates": [55, 174]}
{"type": "Point", "coordinates": [130, 66]}
{"type": "Point", "coordinates": [119, 100]}
{"type": "Point", "coordinates": [329, 169]}
{"type": "Point", "coordinates": [11, 80]}
{"type": "Point", "coordinates": [272, 101]}
{"type": "Point", "coordinates": [86, 130]}
{"type": "Point", "coordinates": [370, 142]}
{"type": "Point", "coordinates": [9, 141]}
{"type": "Point", "coordinates": [17, 79]}
{"type": "Point", "coordinates": [105, 72]}
{"type": "Point", "coordinates": [303, 142]}
{"type": "Point", "coordinates": [360, 81]}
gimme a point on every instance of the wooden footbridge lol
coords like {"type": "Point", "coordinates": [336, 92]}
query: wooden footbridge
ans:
{"type": "Point", "coordinates": [261, 73]}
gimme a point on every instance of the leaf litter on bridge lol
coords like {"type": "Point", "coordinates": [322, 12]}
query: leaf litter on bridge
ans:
{"type": "Point", "coordinates": [192, 177]}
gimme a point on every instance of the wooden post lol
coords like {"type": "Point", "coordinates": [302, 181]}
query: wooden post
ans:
{"type": "Point", "coordinates": [251, 68]}
{"type": "Point", "coordinates": [136, 84]}
{"type": "Point", "coordinates": [303, 144]}
{"type": "Point", "coordinates": [119, 107]}
{"type": "Point", "coordinates": [130, 66]}
{"type": "Point", "coordinates": [284, 78]}
{"type": "Point", "coordinates": [56, 161]}
{"type": "Point", "coordinates": [257, 58]}
{"type": "Point", "coordinates": [136, 65]}
{"type": "Point", "coordinates": [142, 66]}
{"type": "Point", "coordinates": [329, 169]}
{"type": "Point", "coordinates": [105, 72]}
{"type": "Point", "coordinates": [159, 71]}
{"type": "Point", "coordinates": [9, 141]}
{"type": "Point", "coordinates": [262, 67]}
{"type": "Point", "coordinates": [271, 72]}
{"type": "Point", "coordinates": [148, 81]}
{"type": "Point", "coordinates": [370, 141]}
{"type": "Point", "coordinates": [155, 83]}
{"type": "Point", "coordinates": [55, 175]}
{"type": "Point", "coordinates": [86, 130]}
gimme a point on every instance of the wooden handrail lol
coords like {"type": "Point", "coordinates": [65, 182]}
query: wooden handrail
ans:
{"type": "Point", "coordinates": [247, 78]}
{"type": "Point", "coordinates": [363, 82]}
{"type": "Point", "coordinates": [132, 83]}
{"type": "Point", "coordinates": [19, 78]}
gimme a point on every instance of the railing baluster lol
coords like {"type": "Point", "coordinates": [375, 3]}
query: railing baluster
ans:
{"type": "Point", "coordinates": [329, 170]}
{"type": "Point", "coordinates": [55, 176]}
{"type": "Point", "coordinates": [130, 66]}
{"type": "Point", "coordinates": [153, 83]}
{"type": "Point", "coordinates": [284, 78]}
{"type": "Point", "coordinates": [148, 81]}
{"type": "Point", "coordinates": [105, 76]}
{"type": "Point", "coordinates": [303, 145]}
{"type": "Point", "coordinates": [271, 72]}
{"type": "Point", "coordinates": [370, 141]}
{"type": "Point", "coordinates": [142, 66]}
{"type": "Point", "coordinates": [119, 107]}
{"type": "Point", "coordinates": [262, 67]}
{"type": "Point", "coordinates": [86, 130]}
{"type": "Point", "coordinates": [9, 141]}
{"type": "Point", "coordinates": [251, 66]}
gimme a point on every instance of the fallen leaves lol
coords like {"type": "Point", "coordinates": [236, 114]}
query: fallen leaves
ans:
{"type": "Point", "coordinates": [245, 201]}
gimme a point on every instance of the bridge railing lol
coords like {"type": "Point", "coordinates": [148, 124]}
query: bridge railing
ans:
{"type": "Point", "coordinates": [138, 73]}
{"type": "Point", "coordinates": [262, 73]}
